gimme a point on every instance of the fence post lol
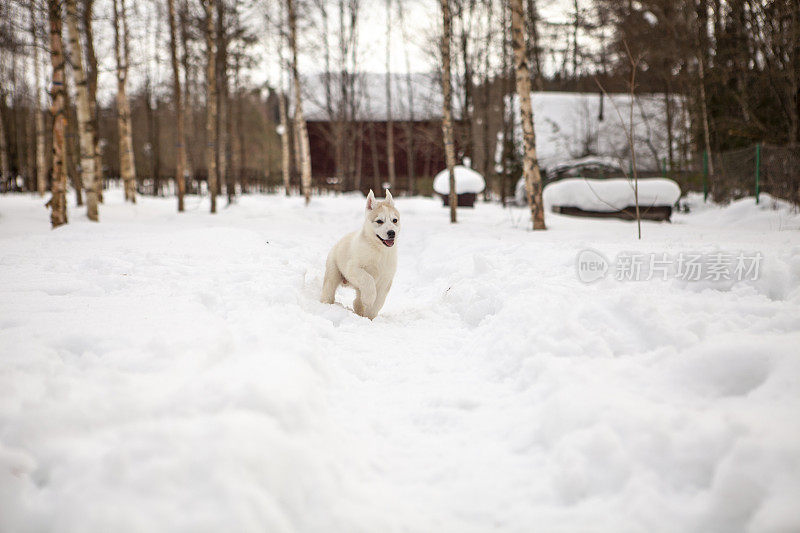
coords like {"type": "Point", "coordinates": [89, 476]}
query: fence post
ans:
{"type": "Point", "coordinates": [705, 176]}
{"type": "Point", "coordinates": [758, 171]}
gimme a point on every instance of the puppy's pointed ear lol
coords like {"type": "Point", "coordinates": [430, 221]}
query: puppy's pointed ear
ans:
{"type": "Point", "coordinates": [370, 201]}
{"type": "Point", "coordinates": [389, 199]}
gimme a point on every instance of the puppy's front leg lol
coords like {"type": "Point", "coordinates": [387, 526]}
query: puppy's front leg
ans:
{"type": "Point", "coordinates": [365, 284]}
{"type": "Point", "coordinates": [333, 278]}
{"type": "Point", "coordinates": [358, 307]}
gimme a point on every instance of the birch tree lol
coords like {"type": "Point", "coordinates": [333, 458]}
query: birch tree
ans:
{"type": "Point", "coordinates": [285, 141]}
{"type": "Point", "coordinates": [530, 163]}
{"type": "Point", "coordinates": [221, 61]}
{"type": "Point", "coordinates": [122, 54]}
{"type": "Point", "coordinates": [702, 22]}
{"type": "Point", "coordinates": [508, 118]}
{"type": "Point", "coordinates": [464, 17]}
{"type": "Point", "coordinates": [72, 151]}
{"type": "Point", "coordinates": [284, 125]}
{"type": "Point", "coordinates": [534, 48]}
{"type": "Point", "coordinates": [58, 188]}
{"type": "Point", "coordinates": [91, 85]}
{"type": "Point", "coordinates": [211, 103]}
{"type": "Point", "coordinates": [177, 100]}
{"type": "Point", "coordinates": [85, 134]}
{"type": "Point", "coordinates": [300, 121]}
{"type": "Point", "coordinates": [409, 134]}
{"type": "Point", "coordinates": [447, 108]}
{"type": "Point", "coordinates": [348, 132]}
{"type": "Point", "coordinates": [488, 153]}
{"type": "Point", "coordinates": [389, 121]}
{"type": "Point", "coordinates": [189, 96]}
{"type": "Point", "coordinates": [409, 124]}
{"type": "Point", "coordinates": [40, 145]}
{"type": "Point", "coordinates": [5, 167]}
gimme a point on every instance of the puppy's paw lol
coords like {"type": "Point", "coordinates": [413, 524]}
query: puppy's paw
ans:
{"type": "Point", "coordinates": [358, 307]}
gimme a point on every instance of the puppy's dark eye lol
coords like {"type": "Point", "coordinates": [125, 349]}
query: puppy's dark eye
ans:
{"type": "Point", "coordinates": [379, 222]}
{"type": "Point", "coordinates": [394, 221]}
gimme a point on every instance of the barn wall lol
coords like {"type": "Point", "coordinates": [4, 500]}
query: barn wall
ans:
{"type": "Point", "coordinates": [427, 144]}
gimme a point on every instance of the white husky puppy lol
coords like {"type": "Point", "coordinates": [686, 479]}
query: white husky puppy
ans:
{"type": "Point", "coordinates": [366, 259]}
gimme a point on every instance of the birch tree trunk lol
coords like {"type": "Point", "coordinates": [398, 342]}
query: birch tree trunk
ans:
{"type": "Point", "coordinates": [221, 61]}
{"type": "Point", "coordinates": [704, 113]}
{"type": "Point", "coordinates": [704, 108]}
{"type": "Point", "coordinates": [41, 156]}
{"type": "Point", "coordinates": [530, 163]}
{"type": "Point", "coordinates": [701, 11]}
{"type": "Point", "coordinates": [177, 100]}
{"type": "Point", "coordinates": [296, 140]}
{"type": "Point", "coordinates": [508, 119]}
{"type": "Point", "coordinates": [241, 162]}
{"type": "Point", "coordinates": [668, 120]}
{"type": "Point", "coordinates": [409, 124]}
{"type": "Point", "coordinates": [488, 153]}
{"type": "Point", "coordinates": [236, 129]}
{"type": "Point", "coordinates": [189, 97]}
{"type": "Point", "coordinates": [286, 160]}
{"type": "Point", "coordinates": [211, 103]}
{"type": "Point", "coordinates": [465, 18]}
{"type": "Point", "coordinates": [534, 51]}
{"type": "Point", "coordinates": [5, 168]}
{"type": "Point", "coordinates": [300, 121]}
{"type": "Point", "coordinates": [85, 135]}
{"type": "Point", "coordinates": [122, 54]}
{"type": "Point", "coordinates": [447, 111]}
{"type": "Point", "coordinates": [58, 188]}
{"type": "Point", "coordinates": [91, 78]}
{"type": "Point", "coordinates": [72, 150]}
{"type": "Point", "coordinates": [389, 121]}
{"type": "Point", "coordinates": [230, 151]}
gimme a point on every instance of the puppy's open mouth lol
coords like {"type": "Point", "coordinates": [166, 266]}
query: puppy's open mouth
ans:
{"type": "Point", "coordinates": [386, 242]}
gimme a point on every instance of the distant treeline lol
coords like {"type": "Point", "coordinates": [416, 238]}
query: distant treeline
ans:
{"type": "Point", "coordinates": [736, 62]}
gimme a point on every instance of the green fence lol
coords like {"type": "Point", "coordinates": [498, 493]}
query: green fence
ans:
{"type": "Point", "coordinates": [734, 174]}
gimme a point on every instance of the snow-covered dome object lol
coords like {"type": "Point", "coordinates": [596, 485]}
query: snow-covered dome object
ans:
{"type": "Point", "coordinates": [467, 181]}
{"type": "Point", "coordinates": [610, 194]}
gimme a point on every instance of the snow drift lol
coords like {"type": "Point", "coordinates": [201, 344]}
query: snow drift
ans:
{"type": "Point", "coordinates": [608, 195]}
{"type": "Point", "coordinates": [168, 373]}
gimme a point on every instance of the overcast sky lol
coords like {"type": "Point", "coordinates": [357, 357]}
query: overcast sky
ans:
{"type": "Point", "coordinates": [423, 18]}
{"type": "Point", "coordinates": [150, 39]}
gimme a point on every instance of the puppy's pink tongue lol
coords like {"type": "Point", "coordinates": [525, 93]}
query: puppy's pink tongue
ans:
{"type": "Point", "coordinates": [389, 243]}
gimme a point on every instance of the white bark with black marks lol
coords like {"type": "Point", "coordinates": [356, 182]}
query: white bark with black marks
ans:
{"type": "Point", "coordinates": [447, 108]}
{"type": "Point", "coordinates": [85, 125]}
{"type": "Point", "coordinates": [530, 163]}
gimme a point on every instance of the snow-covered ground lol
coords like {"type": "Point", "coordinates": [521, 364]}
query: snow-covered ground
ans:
{"type": "Point", "coordinates": [163, 372]}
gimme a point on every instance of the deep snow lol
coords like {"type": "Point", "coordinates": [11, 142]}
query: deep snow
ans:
{"type": "Point", "coordinates": [163, 372]}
